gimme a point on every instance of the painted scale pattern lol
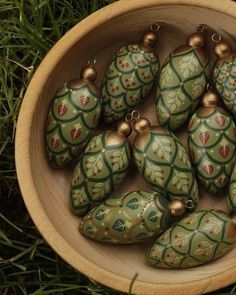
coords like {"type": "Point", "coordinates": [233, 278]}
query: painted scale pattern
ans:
{"type": "Point", "coordinates": [199, 238]}
{"type": "Point", "coordinates": [183, 79]}
{"type": "Point", "coordinates": [127, 218]}
{"type": "Point", "coordinates": [231, 197]}
{"type": "Point", "coordinates": [224, 80]}
{"type": "Point", "coordinates": [100, 170]}
{"type": "Point", "coordinates": [128, 79]}
{"type": "Point", "coordinates": [164, 164]}
{"type": "Point", "coordinates": [74, 114]}
{"type": "Point", "coordinates": [212, 140]}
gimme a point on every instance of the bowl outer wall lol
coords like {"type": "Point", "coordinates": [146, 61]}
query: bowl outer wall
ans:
{"type": "Point", "coordinates": [23, 162]}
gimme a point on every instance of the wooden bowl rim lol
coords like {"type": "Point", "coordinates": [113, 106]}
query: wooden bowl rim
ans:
{"type": "Point", "coordinates": [23, 162]}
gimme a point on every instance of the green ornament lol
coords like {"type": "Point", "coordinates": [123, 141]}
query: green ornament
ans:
{"type": "Point", "coordinates": [231, 198]}
{"type": "Point", "coordinates": [74, 114]}
{"type": "Point", "coordinates": [212, 140]}
{"type": "Point", "coordinates": [129, 218]}
{"type": "Point", "coordinates": [224, 75]}
{"type": "Point", "coordinates": [101, 169]}
{"type": "Point", "coordinates": [183, 79]}
{"type": "Point", "coordinates": [129, 77]}
{"type": "Point", "coordinates": [201, 237]}
{"type": "Point", "coordinates": [163, 162]}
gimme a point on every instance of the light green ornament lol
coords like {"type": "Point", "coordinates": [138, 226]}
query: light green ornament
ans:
{"type": "Point", "coordinates": [130, 218]}
{"type": "Point", "coordinates": [163, 162]}
{"type": "Point", "coordinates": [201, 237]}
{"type": "Point", "coordinates": [231, 198]}
{"type": "Point", "coordinates": [101, 169]}
{"type": "Point", "coordinates": [74, 114]}
{"type": "Point", "coordinates": [212, 140]}
{"type": "Point", "coordinates": [224, 74]}
{"type": "Point", "coordinates": [183, 79]}
{"type": "Point", "coordinates": [129, 76]}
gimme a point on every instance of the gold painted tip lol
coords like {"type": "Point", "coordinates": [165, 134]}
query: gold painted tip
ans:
{"type": "Point", "coordinates": [142, 125]}
{"type": "Point", "coordinates": [177, 207]}
{"type": "Point", "coordinates": [124, 128]}
{"type": "Point", "coordinates": [210, 99]}
{"type": "Point", "coordinates": [89, 73]}
{"type": "Point", "coordinates": [149, 38]}
{"type": "Point", "coordinates": [197, 40]}
{"type": "Point", "coordinates": [222, 49]}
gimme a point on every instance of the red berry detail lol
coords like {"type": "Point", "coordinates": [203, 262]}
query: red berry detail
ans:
{"type": "Point", "coordinates": [204, 137]}
{"type": "Point", "coordinates": [75, 133]}
{"type": "Point", "coordinates": [55, 142]}
{"type": "Point", "coordinates": [84, 100]}
{"type": "Point", "coordinates": [224, 151]}
{"type": "Point", "coordinates": [208, 169]}
{"type": "Point", "coordinates": [220, 120]}
{"type": "Point", "coordinates": [62, 110]}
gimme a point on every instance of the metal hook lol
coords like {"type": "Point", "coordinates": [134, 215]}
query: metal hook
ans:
{"type": "Point", "coordinates": [189, 204]}
{"type": "Point", "coordinates": [155, 27]}
{"type": "Point", "coordinates": [216, 37]}
{"type": "Point", "coordinates": [92, 62]}
{"type": "Point", "coordinates": [201, 28]}
{"type": "Point", "coordinates": [134, 115]}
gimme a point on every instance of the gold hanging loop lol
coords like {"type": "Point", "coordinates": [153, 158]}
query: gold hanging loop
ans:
{"type": "Point", "coordinates": [92, 62]}
{"type": "Point", "coordinates": [155, 27]}
{"type": "Point", "coordinates": [189, 204]}
{"type": "Point", "coordinates": [201, 28]}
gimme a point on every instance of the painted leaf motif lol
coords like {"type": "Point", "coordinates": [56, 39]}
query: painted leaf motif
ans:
{"type": "Point", "coordinates": [162, 146]}
{"type": "Point", "coordinates": [205, 249]}
{"type": "Point", "coordinates": [93, 143]}
{"type": "Point", "coordinates": [100, 214]}
{"type": "Point", "coordinates": [191, 219]}
{"type": "Point", "coordinates": [138, 160]}
{"type": "Point", "coordinates": [157, 252]}
{"type": "Point", "coordinates": [89, 230]}
{"type": "Point", "coordinates": [220, 120]}
{"type": "Point", "coordinates": [78, 197]}
{"type": "Point", "coordinates": [132, 204]}
{"type": "Point", "coordinates": [204, 137]}
{"type": "Point", "coordinates": [183, 156]}
{"type": "Point", "coordinates": [181, 181]}
{"type": "Point", "coordinates": [62, 110]}
{"type": "Point", "coordinates": [213, 225]}
{"type": "Point", "coordinates": [84, 100]}
{"type": "Point", "coordinates": [141, 236]}
{"type": "Point", "coordinates": [154, 173]}
{"type": "Point", "coordinates": [189, 65]}
{"type": "Point", "coordinates": [93, 165]}
{"type": "Point", "coordinates": [152, 216]}
{"type": "Point", "coordinates": [197, 86]}
{"type": "Point", "coordinates": [175, 99]}
{"type": "Point", "coordinates": [75, 133]}
{"type": "Point", "coordinates": [165, 75]}
{"type": "Point", "coordinates": [119, 159]}
{"type": "Point", "coordinates": [208, 169]}
{"type": "Point", "coordinates": [181, 239]}
{"type": "Point", "coordinates": [224, 151]}
{"type": "Point", "coordinates": [119, 225]}
{"type": "Point", "coordinates": [55, 142]}
{"type": "Point", "coordinates": [173, 258]}
{"type": "Point", "coordinates": [100, 189]}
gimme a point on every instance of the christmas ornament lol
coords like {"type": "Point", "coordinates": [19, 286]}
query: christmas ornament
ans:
{"type": "Point", "coordinates": [74, 114]}
{"type": "Point", "coordinates": [101, 169]}
{"type": "Point", "coordinates": [130, 218]}
{"type": "Point", "coordinates": [224, 73]}
{"type": "Point", "coordinates": [163, 162]}
{"type": "Point", "coordinates": [130, 76]}
{"type": "Point", "coordinates": [201, 237]}
{"type": "Point", "coordinates": [182, 81]}
{"type": "Point", "coordinates": [231, 198]}
{"type": "Point", "coordinates": [212, 140]}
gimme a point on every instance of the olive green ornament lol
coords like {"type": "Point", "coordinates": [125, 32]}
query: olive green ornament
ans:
{"type": "Point", "coordinates": [212, 140]}
{"type": "Point", "coordinates": [74, 114]}
{"type": "Point", "coordinates": [130, 217]}
{"type": "Point", "coordinates": [224, 73]}
{"type": "Point", "coordinates": [163, 162]}
{"type": "Point", "coordinates": [130, 76]}
{"type": "Point", "coordinates": [231, 198]}
{"type": "Point", "coordinates": [101, 169]}
{"type": "Point", "coordinates": [201, 237]}
{"type": "Point", "coordinates": [183, 79]}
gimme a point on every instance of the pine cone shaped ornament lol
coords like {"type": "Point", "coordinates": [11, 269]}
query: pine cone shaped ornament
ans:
{"type": "Point", "coordinates": [130, 76]}
{"type": "Point", "coordinates": [224, 73]}
{"type": "Point", "coordinates": [163, 162]}
{"type": "Point", "coordinates": [183, 79]}
{"type": "Point", "coordinates": [212, 140]}
{"type": "Point", "coordinates": [130, 217]}
{"type": "Point", "coordinates": [101, 169]}
{"type": "Point", "coordinates": [74, 114]}
{"type": "Point", "coordinates": [201, 237]}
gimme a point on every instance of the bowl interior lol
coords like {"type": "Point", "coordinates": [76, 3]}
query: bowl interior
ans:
{"type": "Point", "coordinates": [53, 186]}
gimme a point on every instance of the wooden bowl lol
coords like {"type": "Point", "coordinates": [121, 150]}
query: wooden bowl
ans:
{"type": "Point", "coordinates": [45, 191]}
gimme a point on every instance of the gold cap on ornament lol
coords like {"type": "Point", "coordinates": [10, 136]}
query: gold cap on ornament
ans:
{"type": "Point", "coordinates": [177, 207]}
{"type": "Point", "coordinates": [89, 72]}
{"type": "Point", "coordinates": [142, 125]}
{"type": "Point", "coordinates": [196, 40]}
{"type": "Point", "coordinates": [210, 99]}
{"type": "Point", "coordinates": [124, 128]}
{"type": "Point", "coordinates": [222, 49]}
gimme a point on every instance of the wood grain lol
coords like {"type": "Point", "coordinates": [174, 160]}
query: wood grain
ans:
{"type": "Point", "coordinates": [45, 191]}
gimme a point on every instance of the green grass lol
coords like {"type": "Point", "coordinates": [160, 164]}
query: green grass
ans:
{"type": "Point", "coordinates": [28, 29]}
